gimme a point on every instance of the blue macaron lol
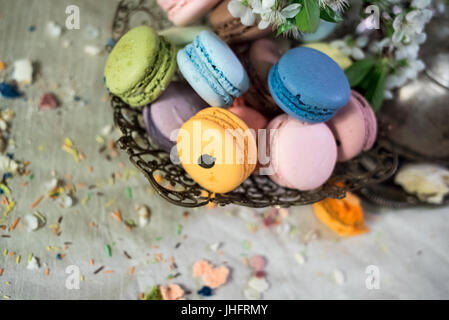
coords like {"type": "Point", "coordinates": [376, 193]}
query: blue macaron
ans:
{"type": "Point", "coordinates": [308, 85]}
{"type": "Point", "coordinates": [324, 30]}
{"type": "Point", "coordinates": [213, 70]}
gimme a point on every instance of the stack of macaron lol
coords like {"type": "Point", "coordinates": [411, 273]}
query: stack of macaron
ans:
{"type": "Point", "coordinates": [247, 103]}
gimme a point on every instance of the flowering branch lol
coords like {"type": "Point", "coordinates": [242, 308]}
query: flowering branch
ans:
{"type": "Point", "coordinates": [287, 16]}
{"type": "Point", "coordinates": [393, 59]}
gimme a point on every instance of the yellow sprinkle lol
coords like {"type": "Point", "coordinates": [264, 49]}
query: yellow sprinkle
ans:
{"type": "Point", "coordinates": [68, 147]}
{"type": "Point", "coordinates": [5, 252]}
{"type": "Point", "coordinates": [9, 207]}
{"type": "Point", "coordinates": [41, 148]}
{"type": "Point", "coordinates": [109, 203]}
{"type": "Point", "coordinates": [6, 297]}
{"type": "Point", "coordinates": [5, 189]}
{"type": "Point", "coordinates": [18, 260]}
{"type": "Point", "coordinates": [52, 248]}
{"type": "Point", "coordinates": [99, 139]}
{"type": "Point", "coordinates": [81, 278]}
{"type": "Point", "coordinates": [30, 256]}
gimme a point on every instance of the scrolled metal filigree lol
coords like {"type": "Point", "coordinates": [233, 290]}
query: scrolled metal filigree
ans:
{"type": "Point", "coordinates": [172, 183]}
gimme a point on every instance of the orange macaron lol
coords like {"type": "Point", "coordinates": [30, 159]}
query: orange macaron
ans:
{"type": "Point", "coordinates": [217, 149]}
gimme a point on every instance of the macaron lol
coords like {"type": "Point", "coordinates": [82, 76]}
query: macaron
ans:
{"type": "Point", "coordinates": [184, 12]}
{"type": "Point", "coordinates": [253, 118]}
{"type": "Point", "coordinates": [344, 216]}
{"type": "Point", "coordinates": [231, 29]}
{"type": "Point", "coordinates": [308, 85]}
{"type": "Point", "coordinates": [213, 70]}
{"type": "Point", "coordinates": [168, 113]}
{"type": "Point", "coordinates": [217, 150]}
{"type": "Point", "coordinates": [301, 155]}
{"type": "Point", "coordinates": [324, 30]}
{"type": "Point", "coordinates": [258, 60]}
{"type": "Point", "coordinates": [181, 36]}
{"type": "Point", "coordinates": [343, 60]}
{"type": "Point", "coordinates": [354, 127]}
{"type": "Point", "coordinates": [140, 66]}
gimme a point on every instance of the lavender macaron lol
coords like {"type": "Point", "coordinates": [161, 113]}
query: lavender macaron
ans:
{"type": "Point", "coordinates": [175, 106]}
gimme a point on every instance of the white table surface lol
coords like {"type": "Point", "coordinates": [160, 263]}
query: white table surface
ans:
{"type": "Point", "coordinates": [410, 247]}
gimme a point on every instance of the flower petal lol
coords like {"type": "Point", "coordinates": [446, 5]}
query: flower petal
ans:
{"type": "Point", "coordinates": [236, 8]}
{"type": "Point", "coordinates": [248, 19]}
{"type": "Point", "coordinates": [267, 4]}
{"type": "Point", "coordinates": [263, 24]}
{"type": "Point", "coordinates": [291, 11]}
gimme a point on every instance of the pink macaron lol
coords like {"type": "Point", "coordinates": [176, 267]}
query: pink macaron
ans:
{"type": "Point", "coordinates": [354, 127]}
{"type": "Point", "coordinates": [302, 155]}
{"type": "Point", "coordinates": [184, 12]}
{"type": "Point", "coordinates": [253, 118]}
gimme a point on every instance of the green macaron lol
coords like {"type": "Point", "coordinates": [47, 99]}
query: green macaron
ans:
{"type": "Point", "coordinates": [140, 66]}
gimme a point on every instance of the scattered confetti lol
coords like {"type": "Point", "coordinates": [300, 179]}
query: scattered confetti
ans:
{"type": "Point", "coordinates": [31, 222]}
{"type": "Point", "coordinates": [91, 32]}
{"type": "Point", "coordinates": [14, 224]}
{"type": "Point", "coordinates": [205, 291]}
{"type": "Point", "coordinates": [178, 229]}
{"type": "Point", "coordinates": [92, 50]}
{"type": "Point", "coordinates": [117, 215]}
{"type": "Point", "coordinates": [23, 71]}
{"type": "Point", "coordinates": [48, 101]}
{"type": "Point", "coordinates": [129, 193]}
{"type": "Point", "coordinates": [215, 246]}
{"type": "Point", "coordinates": [54, 30]}
{"type": "Point", "coordinates": [252, 294]}
{"type": "Point", "coordinates": [36, 203]}
{"type": "Point", "coordinates": [153, 294]}
{"type": "Point", "coordinates": [68, 147]}
{"type": "Point", "coordinates": [33, 264]}
{"type": "Point", "coordinates": [144, 215]}
{"type": "Point", "coordinates": [98, 270]}
{"type": "Point", "coordinates": [172, 292]}
{"type": "Point", "coordinates": [259, 284]}
{"type": "Point", "coordinates": [300, 258]}
{"type": "Point", "coordinates": [339, 277]}
{"type": "Point", "coordinates": [9, 91]}
{"type": "Point", "coordinates": [212, 277]}
{"type": "Point", "coordinates": [108, 250]}
{"type": "Point", "coordinates": [257, 262]}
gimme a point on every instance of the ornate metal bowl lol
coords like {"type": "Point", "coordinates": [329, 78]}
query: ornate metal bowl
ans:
{"type": "Point", "coordinates": [172, 182]}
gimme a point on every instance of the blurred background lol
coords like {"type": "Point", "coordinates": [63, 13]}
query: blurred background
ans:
{"type": "Point", "coordinates": [73, 198]}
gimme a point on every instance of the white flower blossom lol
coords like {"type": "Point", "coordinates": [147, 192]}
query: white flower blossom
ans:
{"type": "Point", "coordinates": [239, 9]}
{"type": "Point", "coordinates": [267, 12]}
{"type": "Point", "coordinates": [420, 4]}
{"type": "Point", "coordinates": [279, 16]}
{"type": "Point", "coordinates": [351, 47]}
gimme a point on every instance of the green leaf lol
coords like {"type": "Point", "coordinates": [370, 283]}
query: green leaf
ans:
{"type": "Point", "coordinates": [290, 24]}
{"type": "Point", "coordinates": [330, 15]}
{"type": "Point", "coordinates": [359, 70]}
{"type": "Point", "coordinates": [374, 86]}
{"type": "Point", "coordinates": [308, 19]}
